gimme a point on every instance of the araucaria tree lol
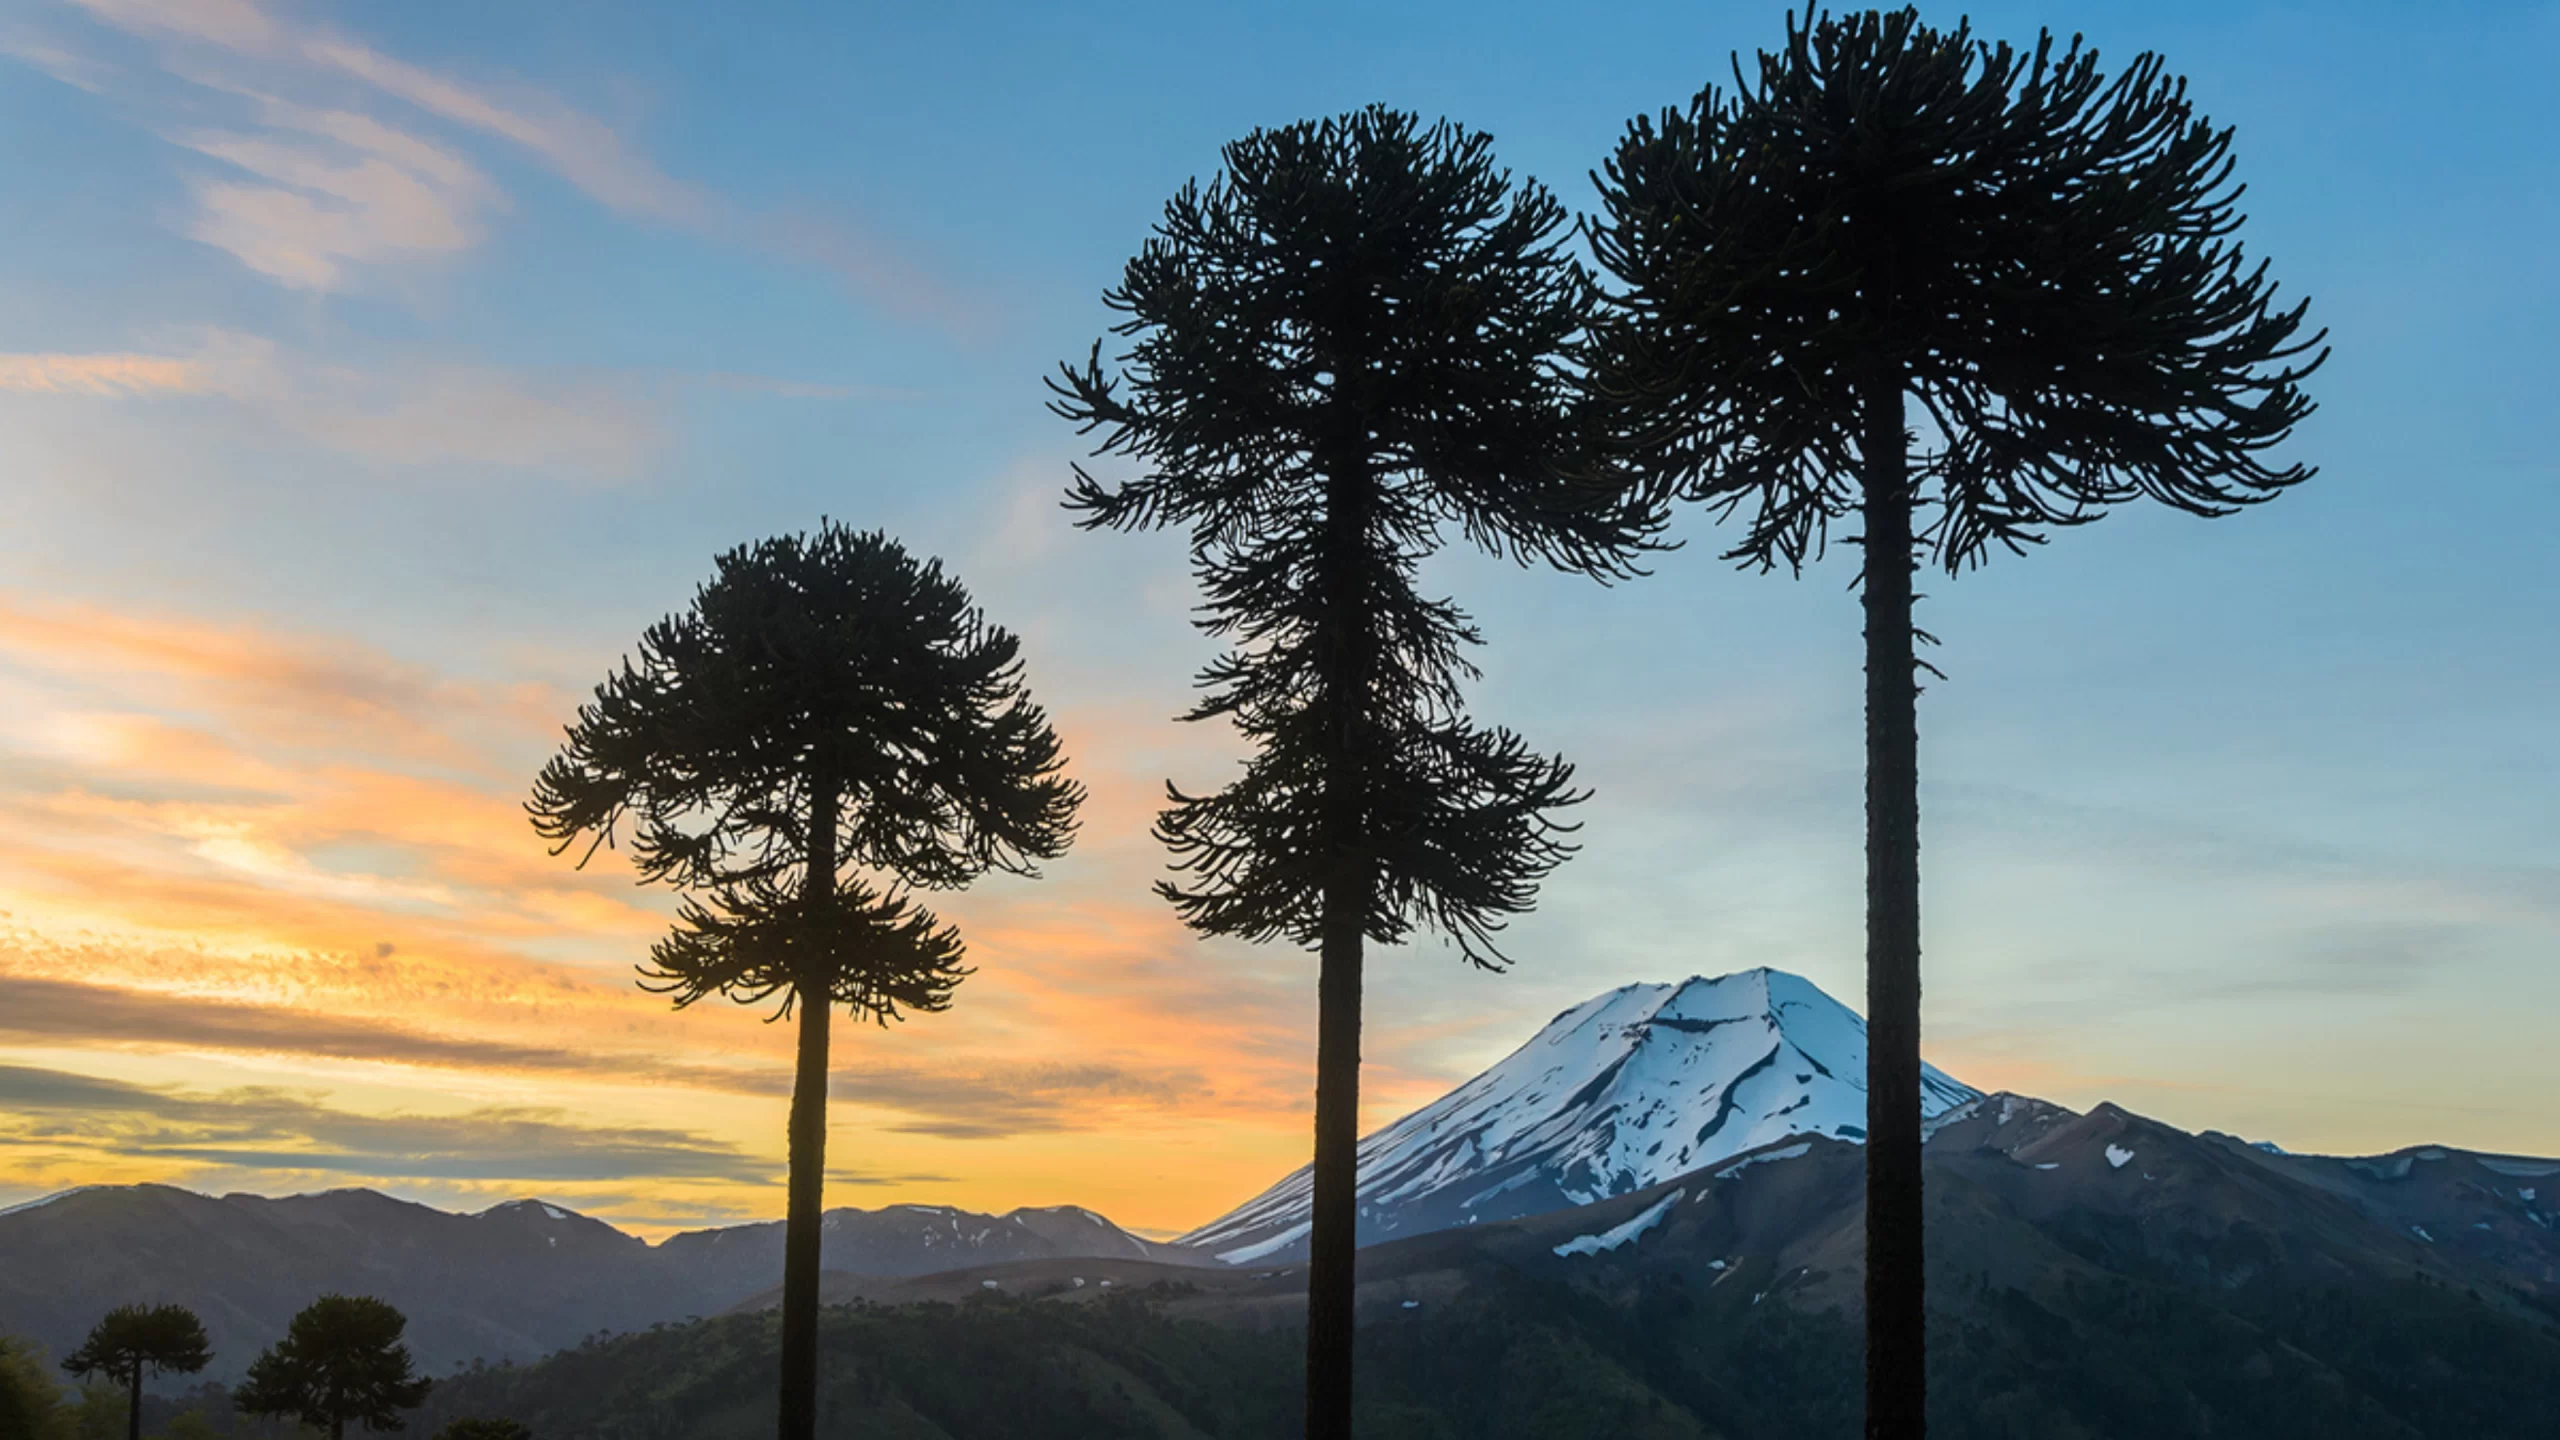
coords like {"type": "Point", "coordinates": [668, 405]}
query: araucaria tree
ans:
{"type": "Point", "coordinates": [1343, 347]}
{"type": "Point", "coordinates": [831, 726]}
{"type": "Point", "coordinates": [132, 1340]}
{"type": "Point", "coordinates": [1969, 295]}
{"type": "Point", "coordinates": [340, 1359]}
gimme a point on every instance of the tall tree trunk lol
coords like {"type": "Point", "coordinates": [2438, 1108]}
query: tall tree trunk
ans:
{"type": "Point", "coordinates": [1897, 1374]}
{"type": "Point", "coordinates": [133, 1405]}
{"type": "Point", "coordinates": [802, 1227]}
{"type": "Point", "coordinates": [1345, 664]}
{"type": "Point", "coordinates": [1334, 1240]}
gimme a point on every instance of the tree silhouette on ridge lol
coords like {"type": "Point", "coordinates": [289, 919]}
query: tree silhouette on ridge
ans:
{"type": "Point", "coordinates": [132, 1340]}
{"type": "Point", "coordinates": [340, 1359]}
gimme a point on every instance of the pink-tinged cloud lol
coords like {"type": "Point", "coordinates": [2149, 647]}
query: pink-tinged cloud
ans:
{"type": "Point", "coordinates": [316, 192]}
{"type": "Point", "coordinates": [122, 373]}
{"type": "Point", "coordinates": [75, 70]}
{"type": "Point", "coordinates": [239, 25]}
{"type": "Point", "coordinates": [866, 266]}
{"type": "Point", "coordinates": [579, 148]}
{"type": "Point", "coordinates": [321, 193]}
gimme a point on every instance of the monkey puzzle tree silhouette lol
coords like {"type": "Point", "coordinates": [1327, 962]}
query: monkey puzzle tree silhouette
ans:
{"type": "Point", "coordinates": [132, 1340]}
{"type": "Point", "coordinates": [827, 702]}
{"type": "Point", "coordinates": [340, 1359]}
{"type": "Point", "coordinates": [2042, 257]}
{"type": "Point", "coordinates": [1347, 343]}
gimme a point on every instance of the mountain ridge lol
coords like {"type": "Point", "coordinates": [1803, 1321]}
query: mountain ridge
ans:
{"type": "Point", "coordinates": [514, 1281]}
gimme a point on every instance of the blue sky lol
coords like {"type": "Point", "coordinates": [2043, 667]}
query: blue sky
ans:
{"type": "Point", "coordinates": [397, 364]}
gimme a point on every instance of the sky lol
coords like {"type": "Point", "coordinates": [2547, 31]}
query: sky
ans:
{"type": "Point", "coordinates": [372, 374]}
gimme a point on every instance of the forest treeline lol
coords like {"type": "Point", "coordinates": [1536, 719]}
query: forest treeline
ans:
{"type": "Point", "coordinates": [340, 1362]}
{"type": "Point", "coordinates": [1524, 1359]}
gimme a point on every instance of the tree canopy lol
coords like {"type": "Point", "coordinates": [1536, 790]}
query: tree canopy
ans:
{"type": "Point", "coordinates": [340, 1360]}
{"type": "Point", "coordinates": [826, 701]}
{"type": "Point", "coordinates": [1348, 344]}
{"type": "Point", "coordinates": [133, 1341]}
{"type": "Point", "coordinates": [2039, 254]}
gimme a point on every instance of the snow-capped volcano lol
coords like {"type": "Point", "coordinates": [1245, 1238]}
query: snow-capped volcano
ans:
{"type": "Point", "coordinates": [1622, 1091]}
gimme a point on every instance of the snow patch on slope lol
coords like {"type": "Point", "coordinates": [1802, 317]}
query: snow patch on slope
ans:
{"type": "Point", "coordinates": [1623, 1232]}
{"type": "Point", "coordinates": [41, 1201]}
{"type": "Point", "coordinates": [1247, 1254]}
{"type": "Point", "coordinates": [1788, 1152]}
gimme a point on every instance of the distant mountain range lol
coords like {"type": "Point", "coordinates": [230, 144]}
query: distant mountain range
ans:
{"type": "Point", "coordinates": [1705, 1130]}
{"type": "Point", "coordinates": [510, 1283]}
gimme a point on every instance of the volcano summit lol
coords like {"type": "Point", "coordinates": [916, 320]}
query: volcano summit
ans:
{"type": "Point", "coordinates": [1623, 1091]}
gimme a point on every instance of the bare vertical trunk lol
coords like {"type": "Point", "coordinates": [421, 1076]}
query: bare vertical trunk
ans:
{"type": "Point", "coordinates": [802, 1225]}
{"type": "Point", "coordinates": [1334, 1219]}
{"type": "Point", "coordinates": [133, 1407]}
{"type": "Point", "coordinates": [1897, 1374]}
{"type": "Point", "coordinates": [801, 1229]}
{"type": "Point", "coordinates": [1334, 1240]}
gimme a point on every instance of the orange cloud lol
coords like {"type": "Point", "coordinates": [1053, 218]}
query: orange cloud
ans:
{"type": "Point", "coordinates": [262, 686]}
{"type": "Point", "coordinates": [306, 860]}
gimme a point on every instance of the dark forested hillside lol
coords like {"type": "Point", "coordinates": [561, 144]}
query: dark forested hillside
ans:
{"type": "Point", "coordinates": [1547, 1360]}
{"type": "Point", "coordinates": [2091, 1276]}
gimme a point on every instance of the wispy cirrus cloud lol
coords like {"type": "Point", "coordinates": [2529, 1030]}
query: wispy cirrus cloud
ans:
{"type": "Point", "coordinates": [234, 24]}
{"type": "Point", "coordinates": [311, 191]}
{"type": "Point", "coordinates": [80, 72]}
{"type": "Point", "coordinates": [405, 413]}
{"type": "Point", "coordinates": [577, 147]}
{"type": "Point", "coordinates": [116, 373]}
